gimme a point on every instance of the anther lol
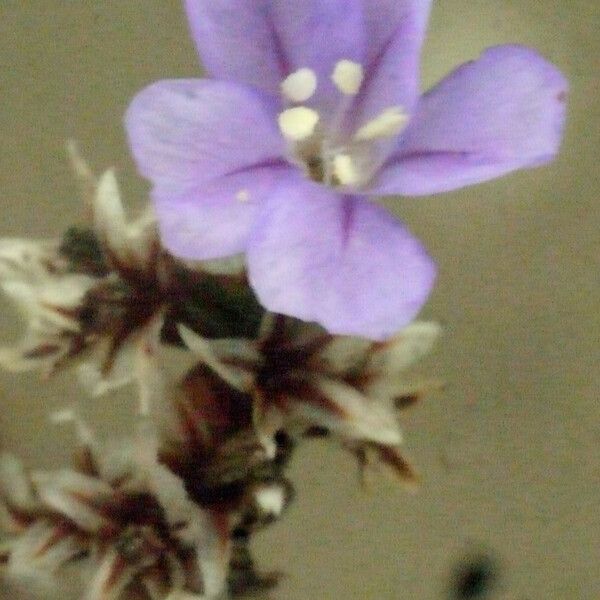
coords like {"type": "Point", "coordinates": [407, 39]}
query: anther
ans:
{"type": "Point", "coordinates": [345, 170]}
{"type": "Point", "coordinates": [300, 85]}
{"type": "Point", "coordinates": [348, 77]}
{"type": "Point", "coordinates": [242, 196]}
{"type": "Point", "coordinates": [388, 123]}
{"type": "Point", "coordinates": [298, 123]}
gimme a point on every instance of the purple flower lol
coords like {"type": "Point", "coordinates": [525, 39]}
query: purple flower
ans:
{"type": "Point", "coordinates": [314, 110]}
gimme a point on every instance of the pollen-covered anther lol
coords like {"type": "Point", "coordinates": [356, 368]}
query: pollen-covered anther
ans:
{"type": "Point", "coordinates": [388, 123]}
{"type": "Point", "coordinates": [348, 77]}
{"type": "Point", "coordinates": [300, 85]}
{"type": "Point", "coordinates": [298, 123]}
{"type": "Point", "coordinates": [345, 170]}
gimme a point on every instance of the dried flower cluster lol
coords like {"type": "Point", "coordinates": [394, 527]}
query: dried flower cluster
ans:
{"type": "Point", "coordinates": [107, 291]}
{"type": "Point", "coordinates": [312, 113]}
{"type": "Point", "coordinates": [117, 510]}
{"type": "Point", "coordinates": [172, 511]}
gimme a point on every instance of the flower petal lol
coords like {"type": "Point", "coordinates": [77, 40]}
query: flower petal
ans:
{"type": "Point", "coordinates": [214, 354]}
{"type": "Point", "coordinates": [342, 355]}
{"type": "Point", "coordinates": [214, 220]}
{"type": "Point", "coordinates": [190, 131]}
{"type": "Point", "coordinates": [376, 455]}
{"type": "Point", "coordinates": [212, 150]}
{"type": "Point", "coordinates": [395, 30]}
{"type": "Point", "coordinates": [318, 35]}
{"type": "Point", "coordinates": [213, 552]}
{"type": "Point", "coordinates": [28, 549]}
{"type": "Point", "coordinates": [15, 485]}
{"type": "Point", "coordinates": [236, 41]}
{"type": "Point", "coordinates": [260, 42]}
{"type": "Point", "coordinates": [60, 549]}
{"type": "Point", "coordinates": [388, 361]}
{"type": "Point", "coordinates": [72, 494]}
{"type": "Point", "coordinates": [124, 244]}
{"type": "Point", "coordinates": [502, 112]}
{"type": "Point", "coordinates": [109, 216]}
{"type": "Point", "coordinates": [34, 352]}
{"type": "Point", "coordinates": [166, 487]}
{"type": "Point", "coordinates": [28, 260]}
{"type": "Point", "coordinates": [405, 348]}
{"type": "Point", "coordinates": [111, 578]}
{"type": "Point", "coordinates": [337, 260]}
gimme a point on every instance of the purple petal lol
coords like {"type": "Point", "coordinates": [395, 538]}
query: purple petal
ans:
{"type": "Point", "coordinates": [189, 131]}
{"type": "Point", "coordinates": [260, 42]}
{"type": "Point", "coordinates": [212, 150]}
{"type": "Point", "coordinates": [337, 260]}
{"type": "Point", "coordinates": [236, 41]}
{"type": "Point", "coordinates": [385, 18]}
{"type": "Point", "coordinates": [395, 32]}
{"type": "Point", "coordinates": [214, 220]}
{"type": "Point", "coordinates": [318, 34]}
{"type": "Point", "coordinates": [502, 112]}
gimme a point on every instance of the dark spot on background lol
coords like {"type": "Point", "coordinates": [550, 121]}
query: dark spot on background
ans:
{"type": "Point", "coordinates": [474, 578]}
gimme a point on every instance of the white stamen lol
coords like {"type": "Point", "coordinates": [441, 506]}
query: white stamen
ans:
{"type": "Point", "coordinates": [388, 123]}
{"type": "Point", "coordinates": [298, 123]}
{"type": "Point", "coordinates": [242, 196]}
{"type": "Point", "coordinates": [345, 170]}
{"type": "Point", "coordinates": [348, 77]}
{"type": "Point", "coordinates": [300, 85]}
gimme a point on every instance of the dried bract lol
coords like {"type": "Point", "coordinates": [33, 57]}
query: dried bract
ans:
{"type": "Point", "coordinates": [108, 293]}
{"type": "Point", "coordinates": [125, 518]}
{"type": "Point", "coordinates": [303, 381]}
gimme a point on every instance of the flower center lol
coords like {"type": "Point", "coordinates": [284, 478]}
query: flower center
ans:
{"type": "Point", "coordinates": [323, 148]}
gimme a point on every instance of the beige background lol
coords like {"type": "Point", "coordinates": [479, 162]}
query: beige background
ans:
{"type": "Point", "coordinates": [510, 452]}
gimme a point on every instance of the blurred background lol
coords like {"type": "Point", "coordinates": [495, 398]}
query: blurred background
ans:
{"type": "Point", "coordinates": [509, 452]}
